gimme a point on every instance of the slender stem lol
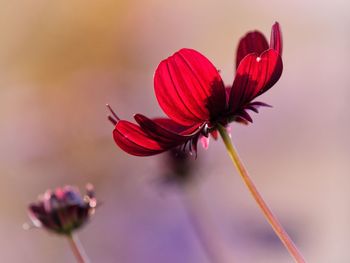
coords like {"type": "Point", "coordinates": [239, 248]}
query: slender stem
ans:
{"type": "Point", "coordinates": [206, 237]}
{"type": "Point", "coordinates": [273, 221]}
{"type": "Point", "coordinates": [77, 248]}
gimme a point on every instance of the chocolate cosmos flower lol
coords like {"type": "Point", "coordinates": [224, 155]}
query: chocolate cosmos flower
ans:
{"type": "Point", "coordinates": [191, 92]}
{"type": "Point", "coordinates": [63, 210]}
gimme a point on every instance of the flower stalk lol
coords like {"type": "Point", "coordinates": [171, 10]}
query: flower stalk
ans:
{"type": "Point", "coordinates": [207, 238]}
{"type": "Point", "coordinates": [179, 173]}
{"type": "Point", "coordinates": [77, 248]}
{"type": "Point", "coordinates": [270, 217]}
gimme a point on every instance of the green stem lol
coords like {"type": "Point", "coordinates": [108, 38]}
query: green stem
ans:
{"type": "Point", "coordinates": [275, 224]}
{"type": "Point", "coordinates": [77, 248]}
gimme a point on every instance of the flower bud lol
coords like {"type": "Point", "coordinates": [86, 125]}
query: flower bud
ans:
{"type": "Point", "coordinates": [63, 210]}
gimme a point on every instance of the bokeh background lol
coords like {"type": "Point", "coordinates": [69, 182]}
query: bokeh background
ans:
{"type": "Point", "coordinates": [62, 61]}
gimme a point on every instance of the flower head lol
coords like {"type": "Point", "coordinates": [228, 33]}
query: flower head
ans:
{"type": "Point", "coordinates": [191, 92]}
{"type": "Point", "coordinates": [63, 210]}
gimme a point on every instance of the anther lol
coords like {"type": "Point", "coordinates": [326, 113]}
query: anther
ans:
{"type": "Point", "coordinates": [114, 117]}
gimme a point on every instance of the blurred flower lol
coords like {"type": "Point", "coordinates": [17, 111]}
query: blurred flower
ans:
{"type": "Point", "coordinates": [63, 210]}
{"type": "Point", "coordinates": [191, 92]}
{"type": "Point", "coordinates": [178, 167]}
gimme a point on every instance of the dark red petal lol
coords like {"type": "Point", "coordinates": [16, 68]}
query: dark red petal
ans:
{"type": "Point", "coordinates": [254, 76]}
{"type": "Point", "coordinates": [170, 125]}
{"type": "Point", "coordinates": [40, 217]}
{"type": "Point", "coordinates": [130, 138]}
{"type": "Point", "coordinates": [260, 104]}
{"type": "Point", "coordinates": [189, 88]}
{"type": "Point", "coordinates": [276, 38]}
{"type": "Point", "coordinates": [152, 136]}
{"type": "Point", "coordinates": [166, 131]}
{"type": "Point", "coordinates": [245, 116]}
{"type": "Point", "coordinates": [252, 42]}
{"type": "Point", "coordinates": [254, 106]}
{"type": "Point", "coordinates": [241, 120]}
{"type": "Point", "coordinates": [37, 210]}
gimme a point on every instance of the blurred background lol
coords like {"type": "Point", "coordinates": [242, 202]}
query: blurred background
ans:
{"type": "Point", "coordinates": [62, 61]}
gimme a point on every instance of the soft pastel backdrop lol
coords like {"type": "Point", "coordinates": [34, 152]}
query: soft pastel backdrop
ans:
{"type": "Point", "coordinates": [62, 61]}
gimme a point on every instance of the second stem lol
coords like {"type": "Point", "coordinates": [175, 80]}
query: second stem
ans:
{"type": "Point", "coordinates": [77, 248]}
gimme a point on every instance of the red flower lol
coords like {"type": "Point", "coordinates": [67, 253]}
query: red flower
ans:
{"type": "Point", "coordinates": [191, 92]}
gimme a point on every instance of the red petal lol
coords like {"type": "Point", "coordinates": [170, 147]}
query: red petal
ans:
{"type": "Point", "coordinates": [254, 76]}
{"type": "Point", "coordinates": [241, 120]}
{"type": "Point", "coordinates": [172, 126]}
{"type": "Point", "coordinates": [36, 210]}
{"type": "Point", "coordinates": [259, 104]}
{"type": "Point", "coordinates": [130, 138]}
{"type": "Point", "coordinates": [252, 42]}
{"type": "Point", "coordinates": [189, 88]}
{"type": "Point", "coordinates": [165, 130]}
{"type": "Point", "coordinates": [276, 38]}
{"type": "Point", "coordinates": [245, 116]}
{"type": "Point", "coordinates": [152, 136]}
{"type": "Point", "coordinates": [254, 106]}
